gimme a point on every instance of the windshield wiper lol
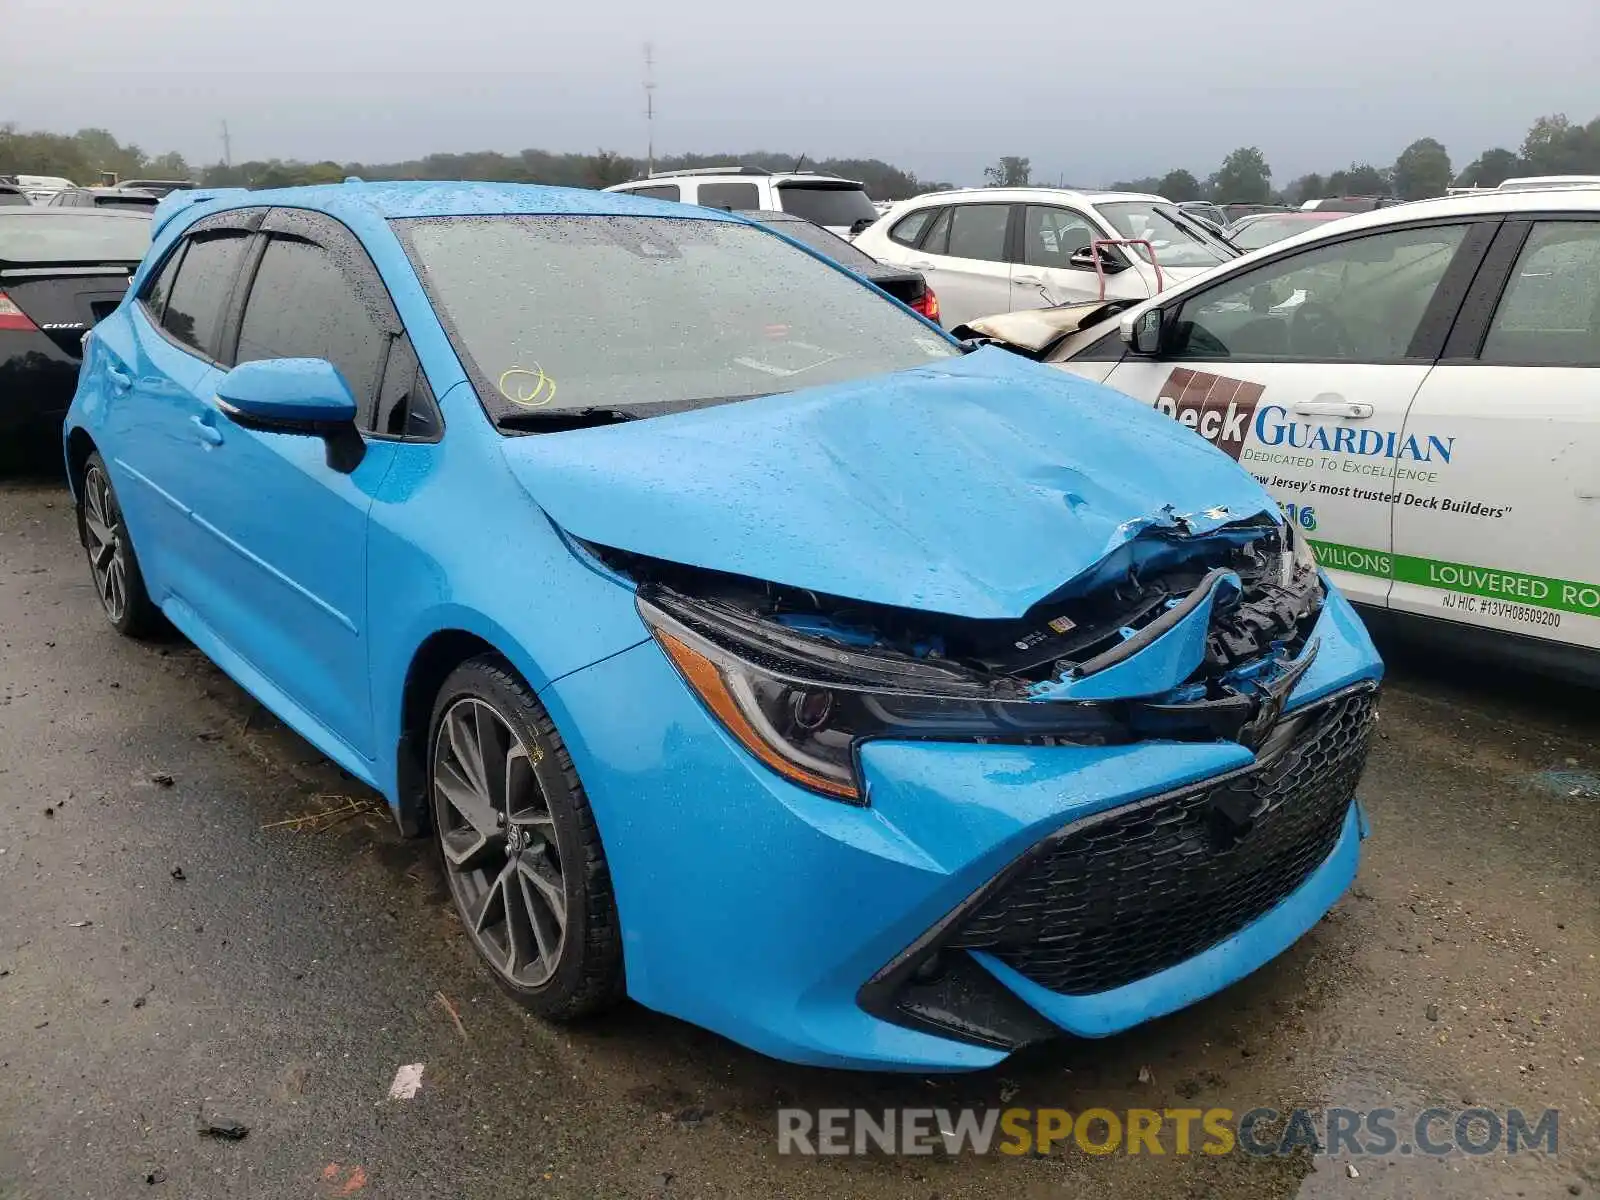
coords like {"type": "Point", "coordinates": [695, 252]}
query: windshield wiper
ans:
{"type": "Point", "coordinates": [555, 419]}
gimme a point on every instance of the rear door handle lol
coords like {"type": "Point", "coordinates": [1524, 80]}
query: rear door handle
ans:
{"type": "Point", "coordinates": [1330, 404]}
{"type": "Point", "coordinates": [121, 378]}
{"type": "Point", "coordinates": [920, 266]}
{"type": "Point", "coordinates": [208, 432]}
{"type": "Point", "coordinates": [1028, 280]}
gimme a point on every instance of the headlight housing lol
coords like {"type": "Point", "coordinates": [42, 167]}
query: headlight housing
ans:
{"type": "Point", "coordinates": [803, 706]}
{"type": "Point", "coordinates": [1299, 559]}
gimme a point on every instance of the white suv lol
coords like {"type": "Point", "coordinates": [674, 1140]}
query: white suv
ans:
{"type": "Point", "coordinates": [839, 205]}
{"type": "Point", "coordinates": [994, 250]}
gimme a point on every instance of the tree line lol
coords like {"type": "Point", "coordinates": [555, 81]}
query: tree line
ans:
{"type": "Point", "coordinates": [85, 155]}
{"type": "Point", "coordinates": [1553, 146]}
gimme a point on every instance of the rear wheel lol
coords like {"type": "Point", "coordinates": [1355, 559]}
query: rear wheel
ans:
{"type": "Point", "coordinates": [112, 563]}
{"type": "Point", "coordinates": [519, 844]}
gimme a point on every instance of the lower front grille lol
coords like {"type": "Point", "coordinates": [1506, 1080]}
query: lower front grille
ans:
{"type": "Point", "coordinates": [1120, 895]}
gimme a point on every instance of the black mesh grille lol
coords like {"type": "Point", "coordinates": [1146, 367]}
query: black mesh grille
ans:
{"type": "Point", "coordinates": [1126, 893]}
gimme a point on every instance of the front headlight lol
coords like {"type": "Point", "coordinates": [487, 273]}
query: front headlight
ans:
{"type": "Point", "coordinates": [803, 706]}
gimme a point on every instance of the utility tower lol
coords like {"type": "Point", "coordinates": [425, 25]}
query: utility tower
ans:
{"type": "Point", "coordinates": [227, 146]}
{"type": "Point", "coordinates": [650, 108]}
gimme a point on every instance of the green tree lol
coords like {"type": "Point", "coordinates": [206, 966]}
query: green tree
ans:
{"type": "Point", "coordinates": [168, 166]}
{"type": "Point", "coordinates": [884, 182]}
{"type": "Point", "coordinates": [606, 167]}
{"type": "Point", "coordinates": [105, 155]}
{"type": "Point", "coordinates": [1008, 172]}
{"type": "Point", "coordinates": [1555, 146]}
{"type": "Point", "coordinates": [1491, 169]}
{"type": "Point", "coordinates": [1179, 185]}
{"type": "Point", "coordinates": [1359, 179]}
{"type": "Point", "coordinates": [42, 154]}
{"type": "Point", "coordinates": [1150, 185]}
{"type": "Point", "coordinates": [1307, 187]}
{"type": "Point", "coordinates": [1243, 178]}
{"type": "Point", "coordinates": [1422, 170]}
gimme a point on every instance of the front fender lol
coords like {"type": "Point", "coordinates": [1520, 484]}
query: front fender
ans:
{"type": "Point", "coordinates": [456, 544]}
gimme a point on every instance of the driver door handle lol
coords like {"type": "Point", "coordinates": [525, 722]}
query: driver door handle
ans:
{"type": "Point", "coordinates": [920, 265]}
{"type": "Point", "coordinates": [208, 432]}
{"type": "Point", "coordinates": [1330, 404]}
{"type": "Point", "coordinates": [1028, 280]}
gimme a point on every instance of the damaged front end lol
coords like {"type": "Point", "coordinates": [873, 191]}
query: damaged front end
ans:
{"type": "Point", "coordinates": [1175, 635]}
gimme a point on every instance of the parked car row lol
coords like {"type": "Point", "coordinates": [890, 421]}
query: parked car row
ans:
{"type": "Point", "coordinates": [1417, 387]}
{"type": "Point", "coordinates": [55, 191]}
{"type": "Point", "coordinates": [1032, 702]}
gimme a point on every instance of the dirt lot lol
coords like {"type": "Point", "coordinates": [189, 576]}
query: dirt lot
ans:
{"type": "Point", "coordinates": [294, 966]}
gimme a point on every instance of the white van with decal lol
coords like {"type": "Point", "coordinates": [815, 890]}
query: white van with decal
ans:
{"type": "Point", "coordinates": [1420, 389]}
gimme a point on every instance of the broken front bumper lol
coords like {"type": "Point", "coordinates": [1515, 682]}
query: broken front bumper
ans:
{"type": "Point", "coordinates": [807, 929]}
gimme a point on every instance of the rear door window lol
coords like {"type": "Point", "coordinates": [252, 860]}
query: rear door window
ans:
{"type": "Point", "coordinates": [159, 287]}
{"type": "Point", "coordinates": [730, 195]}
{"type": "Point", "coordinates": [939, 236]}
{"type": "Point", "coordinates": [979, 231]}
{"type": "Point", "coordinates": [205, 279]}
{"type": "Point", "coordinates": [1549, 314]}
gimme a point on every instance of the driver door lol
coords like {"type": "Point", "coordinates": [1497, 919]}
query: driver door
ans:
{"type": "Point", "coordinates": [1303, 369]}
{"type": "Point", "coordinates": [1057, 267]}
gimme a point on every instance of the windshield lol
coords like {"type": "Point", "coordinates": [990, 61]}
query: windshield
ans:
{"type": "Point", "coordinates": [72, 237]}
{"type": "Point", "coordinates": [829, 244]}
{"type": "Point", "coordinates": [558, 313]}
{"type": "Point", "coordinates": [827, 204]}
{"type": "Point", "coordinates": [1177, 243]}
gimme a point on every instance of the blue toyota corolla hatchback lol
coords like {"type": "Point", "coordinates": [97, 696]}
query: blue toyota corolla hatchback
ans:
{"type": "Point", "coordinates": [747, 646]}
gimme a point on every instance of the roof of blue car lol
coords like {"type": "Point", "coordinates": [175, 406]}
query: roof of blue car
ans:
{"type": "Point", "coordinates": [419, 198]}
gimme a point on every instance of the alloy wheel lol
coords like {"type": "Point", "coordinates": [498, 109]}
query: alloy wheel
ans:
{"type": "Point", "coordinates": [106, 543]}
{"type": "Point", "coordinates": [499, 842]}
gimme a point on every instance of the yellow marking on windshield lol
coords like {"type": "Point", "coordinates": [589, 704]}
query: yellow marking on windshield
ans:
{"type": "Point", "coordinates": [529, 387]}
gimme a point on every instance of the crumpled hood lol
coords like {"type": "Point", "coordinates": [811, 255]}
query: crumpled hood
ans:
{"type": "Point", "coordinates": [975, 486]}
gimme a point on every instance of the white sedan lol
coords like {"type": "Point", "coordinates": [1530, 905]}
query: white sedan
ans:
{"type": "Point", "coordinates": [1420, 389]}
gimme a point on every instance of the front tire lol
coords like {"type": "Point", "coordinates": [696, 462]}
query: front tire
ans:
{"type": "Point", "coordinates": [519, 846]}
{"type": "Point", "coordinates": [112, 563]}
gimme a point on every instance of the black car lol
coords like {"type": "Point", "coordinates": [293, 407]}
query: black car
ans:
{"type": "Point", "coordinates": [61, 271]}
{"type": "Point", "coordinates": [105, 197]}
{"type": "Point", "coordinates": [908, 287]}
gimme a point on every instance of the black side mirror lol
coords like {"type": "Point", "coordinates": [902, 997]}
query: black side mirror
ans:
{"type": "Point", "coordinates": [1109, 263]}
{"type": "Point", "coordinates": [861, 223]}
{"type": "Point", "coordinates": [1142, 331]}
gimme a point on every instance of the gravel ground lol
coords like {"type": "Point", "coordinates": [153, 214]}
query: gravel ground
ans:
{"type": "Point", "coordinates": [175, 947]}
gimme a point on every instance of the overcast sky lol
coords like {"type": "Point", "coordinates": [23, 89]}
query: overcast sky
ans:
{"type": "Point", "coordinates": [1092, 92]}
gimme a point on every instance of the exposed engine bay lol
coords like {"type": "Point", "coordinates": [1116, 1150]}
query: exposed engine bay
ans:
{"type": "Point", "coordinates": [1264, 594]}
